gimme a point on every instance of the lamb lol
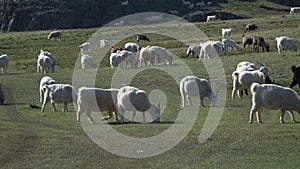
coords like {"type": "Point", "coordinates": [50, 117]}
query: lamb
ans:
{"type": "Point", "coordinates": [54, 35]}
{"type": "Point", "coordinates": [244, 79]}
{"type": "Point", "coordinates": [260, 41]}
{"type": "Point", "coordinates": [142, 37]}
{"type": "Point", "coordinates": [132, 47]}
{"type": "Point", "coordinates": [273, 97]}
{"type": "Point", "coordinates": [128, 57]}
{"type": "Point", "coordinates": [294, 10]}
{"type": "Point", "coordinates": [59, 93]}
{"type": "Point", "coordinates": [250, 27]}
{"type": "Point", "coordinates": [97, 100]}
{"type": "Point", "coordinates": [211, 18]}
{"type": "Point", "coordinates": [244, 66]}
{"type": "Point", "coordinates": [194, 50]}
{"type": "Point", "coordinates": [133, 99]}
{"type": "Point", "coordinates": [46, 80]}
{"type": "Point", "coordinates": [115, 59]}
{"type": "Point", "coordinates": [226, 32]}
{"type": "Point", "coordinates": [85, 47]}
{"type": "Point", "coordinates": [284, 43]}
{"type": "Point", "coordinates": [212, 49]}
{"type": "Point", "coordinates": [2, 96]}
{"type": "Point", "coordinates": [296, 76]}
{"type": "Point", "coordinates": [104, 43]}
{"type": "Point", "coordinates": [4, 60]}
{"type": "Point", "coordinates": [194, 86]}
{"type": "Point", "coordinates": [230, 44]}
{"type": "Point", "coordinates": [247, 41]}
{"type": "Point", "coordinates": [88, 62]}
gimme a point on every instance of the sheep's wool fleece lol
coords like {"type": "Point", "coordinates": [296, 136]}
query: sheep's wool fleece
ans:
{"type": "Point", "coordinates": [140, 101]}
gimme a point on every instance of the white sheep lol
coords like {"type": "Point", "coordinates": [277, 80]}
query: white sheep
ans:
{"type": "Point", "coordinates": [104, 43]}
{"type": "Point", "coordinates": [45, 64]}
{"type": "Point", "coordinates": [284, 43]}
{"type": "Point", "coordinates": [211, 18]}
{"type": "Point", "coordinates": [212, 49]}
{"type": "Point", "coordinates": [46, 80]}
{"type": "Point", "coordinates": [2, 96]}
{"type": "Point", "coordinates": [85, 47]}
{"type": "Point", "coordinates": [192, 86]}
{"type": "Point", "coordinates": [230, 44]}
{"type": "Point", "coordinates": [146, 56]}
{"type": "Point", "coordinates": [161, 55]}
{"type": "Point", "coordinates": [129, 57]}
{"type": "Point", "coordinates": [59, 93]}
{"type": "Point", "coordinates": [226, 32]}
{"type": "Point", "coordinates": [194, 50]}
{"type": "Point", "coordinates": [244, 79]}
{"type": "Point", "coordinates": [294, 10]}
{"type": "Point", "coordinates": [245, 66]}
{"type": "Point", "coordinates": [115, 59]}
{"type": "Point", "coordinates": [4, 60]}
{"type": "Point", "coordinates": [273, 97]}
{"type": "Point", "coordinates": [132, 47]}
{"type": "Point", "coordinates": [133, 99]}
{"type": "Point", "coordinates": [54, 35]}
{"type": "Point", "coordinates": [97, 100]}
{"type": "Point", "coordinates": [88, 62]}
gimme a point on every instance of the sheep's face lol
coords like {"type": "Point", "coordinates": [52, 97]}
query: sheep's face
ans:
{"type": "Point", "coordinates": [213, 98]}
{"type": "Point", "coordinates": [155, 113]}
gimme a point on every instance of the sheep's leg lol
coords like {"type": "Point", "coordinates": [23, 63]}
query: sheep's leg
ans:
{"type": "Point", "coordinates": [79, 112]}
{"type": "Point", "coordinates": [144, 117]}
{"type": "Point", "coordinates": [183, 97]}
{"type": "Point", "coordinates": [122, 116]}
{"type": "Point", "coordinates": [88, 114]}
{"type": "Point", "coordinates": [133, 115]}
{"type": "Point", "coordinates": [53, 106]}
{"type": "Point", "coordinates": [65, 109]}
{"type": "Point", "coordinates": [201, 101]}
{"type": "Point", "coordinates": [46, 100]}
{"type": "Point", "coordinates": [116, 116]}
{"type": "Point", "coordinates": [294, 83]}
{"type": "Point", "coordinates": [233, 93]}
{"type": "Point", "coordinates": [258, 116]}
{"type": "Point", "coordinates": [292, 116]}
{"type": "Point", "coordinates": [189, 100]}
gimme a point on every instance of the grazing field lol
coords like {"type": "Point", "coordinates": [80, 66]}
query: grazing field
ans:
{"type": "Point", "coordinates": [31, 139]}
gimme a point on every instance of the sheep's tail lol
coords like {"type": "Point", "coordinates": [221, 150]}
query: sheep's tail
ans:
{"type": "Point", "coordinates": [253, 87]}
{"type": "Point", "coordinates": [293, 68]}
{"type": "Point", "coordinates": [235, 74]}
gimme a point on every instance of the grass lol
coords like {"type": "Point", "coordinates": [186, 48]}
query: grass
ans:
{"type": "Point", "coordinates": [31, 139]}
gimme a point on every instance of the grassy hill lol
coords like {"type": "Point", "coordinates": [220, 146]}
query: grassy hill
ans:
{"type": "Point", "coordinates": [31, 139]}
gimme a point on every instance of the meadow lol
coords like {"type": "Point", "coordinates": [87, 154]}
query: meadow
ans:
{"type": "Point", "coordinates": [34, 139]}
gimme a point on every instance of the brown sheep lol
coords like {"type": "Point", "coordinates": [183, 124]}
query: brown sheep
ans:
{"type": "Point", "coordinates": [260, 41]}
{"type": "Point", "coordinates": [296, 76]}
{"type": "Point", "coordinates": [247, 41]}
{"type": "Point", "coordinates": [250, 27]}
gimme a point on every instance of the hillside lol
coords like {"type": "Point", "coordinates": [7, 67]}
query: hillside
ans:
{"type": "Point", "coordinates": [20, 15]}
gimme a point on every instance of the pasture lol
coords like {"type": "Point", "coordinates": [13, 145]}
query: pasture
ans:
{"type": "Point", "coordinates": [31, 139]}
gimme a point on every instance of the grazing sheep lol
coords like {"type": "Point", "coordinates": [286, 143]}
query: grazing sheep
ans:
{"type": "Point", "coordinates": [273, 97]}
{"type": "Point", "coordinates": [46, 53]}
{"type": "Point", "coordinates": [161, 55]}
{"type": "Point", "coordinates": [97, 100]}
{"type": "Point", "coordinates": [4, 60]}
{"type": "Point", "coordinates": [132, 47]}
{"type": "Point", "coordinates": [194, 86]}
{"type": "Point", "coordinates": [146, 56]}
{"type": "Point", "coordinates": [88, 62]}
{"type": "Point", "coordinates": [296, 76]}
{"type": "Point", "coordinates": [260, 41]}
{"type": "Point", "coordinates": [85, 47]}
{"type": "Point", "coordinates": [104, 43]}
{"type": "Point", "coordinates": [284, 43]}
{"type": "Point", "coordinates": [226, 32]}
{"type": "Point", "coordinates": [142, 37]}
{"type": "Point", "coordinates": [230, 44]}
{"type": "Point", "coordinates": [133, 99]}
{"type": "Point", "coordinates": [45, 64]}
{"type": "Point", "coordinates": [194, 50]}
{"type": "Point", "coordinates": [250, 27]}
{"type": "Point", "coordinates": [59, 93]}
{"type": "Point", "coordinates": [294, 10]}
{"type": "Point", "coordinates": [115, 59]}
{"type": "Point", "coordinates": [2, 96]}
{"type": "Point", "coordinates": [211, 18]}
{"type": "Point", "coordinates": [212, 49]}
{"type": "Point", "coordinates": [54, 35]}
{"type": "Point", "coordinates": [244, 79]}
{"type": "Point", "coordinates": [46, 80]}
{"type": "Point", "coordinates": [128, 57]}
{"type": "Point", "coordinates": [247, 41]}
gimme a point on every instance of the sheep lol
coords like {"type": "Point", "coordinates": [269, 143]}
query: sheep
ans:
{"type": "Point", "coordinates": [133, 99]}
{"type": "Point", "coordinates": [250, 27]}
{"type": "Point", "coordinates": [194, 50]}
{"type": "Point", "coordinates": [97, 100]}
{"type": "Point", "coordinates": [124, 3]}
{"type": "Point", "coordinates": [132, 47]}
{"type": "Point", "coordinates": [45, 64]}
{"type": "Point", "coordinates": [104, 43]}
{"type": "Point", "coordinates": [161, 55]}
{"type": "Point", "coordinates": [85, 47]}
{"type": "Point", "coordinates": [46, 53]}
{"type": "Point", "coordinates": [46, 80]}
{"type": "Point", "coordinates": [296, 76]}
{"type": "Point", "coordinates": [88, 62]}
{"type": "Point", "coordinates": [273, 97]}
{"type": "Point", "coordinates": [260, 41]}
{"type": "Point", "coordinates": [244, 66]}
{"type": "Point", "coordinates": [294, 10]}
{"type": "Point", "coordinates": [194, 86]}
{"type": "Point", "coordinates": [247, 41]}
{"type": "Point", "coordinates": [54, 35]}
{"type": "Point", "coordinates": [244, 79]}
{"type": "Point", "coordinates": [230, 44]}
{"type": "Point", "coordinates": [226, 32]}
{"type": "Point", "coordinates": [283, 43]}
{"type": "Point", "coordinates": [4, 60]}
{"type": "Point", "coordinates": [115, 59]}
{"type": "Point", "coordinates": [2, 96]}
{"type": "Point", "coordinates": [115, 49]}
{"type": "Point", "coordinates": [145, 56]}
{"type": "Point", "coordinates": [211, 18]}
{"type": "Point", "coordinates": [142, 37]}
{"type": "Point", "coordinates": [59, 93]}
{"type": "Point", "coordinates": [212, 49]}
{"type": "Point", "coordinates": [128, 57]}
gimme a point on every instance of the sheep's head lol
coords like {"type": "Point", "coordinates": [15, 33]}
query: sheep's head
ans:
{"type": "Point", "coordinates": [213, 98]}
{"type": "Point", "coordinates": [155, 112]}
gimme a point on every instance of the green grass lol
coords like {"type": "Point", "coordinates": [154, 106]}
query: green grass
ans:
{"type": "Point", "coordinates": [31, 139]}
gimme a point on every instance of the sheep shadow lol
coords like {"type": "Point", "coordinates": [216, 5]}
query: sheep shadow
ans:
{"type": "Point", "coordinates": [137, 123]}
